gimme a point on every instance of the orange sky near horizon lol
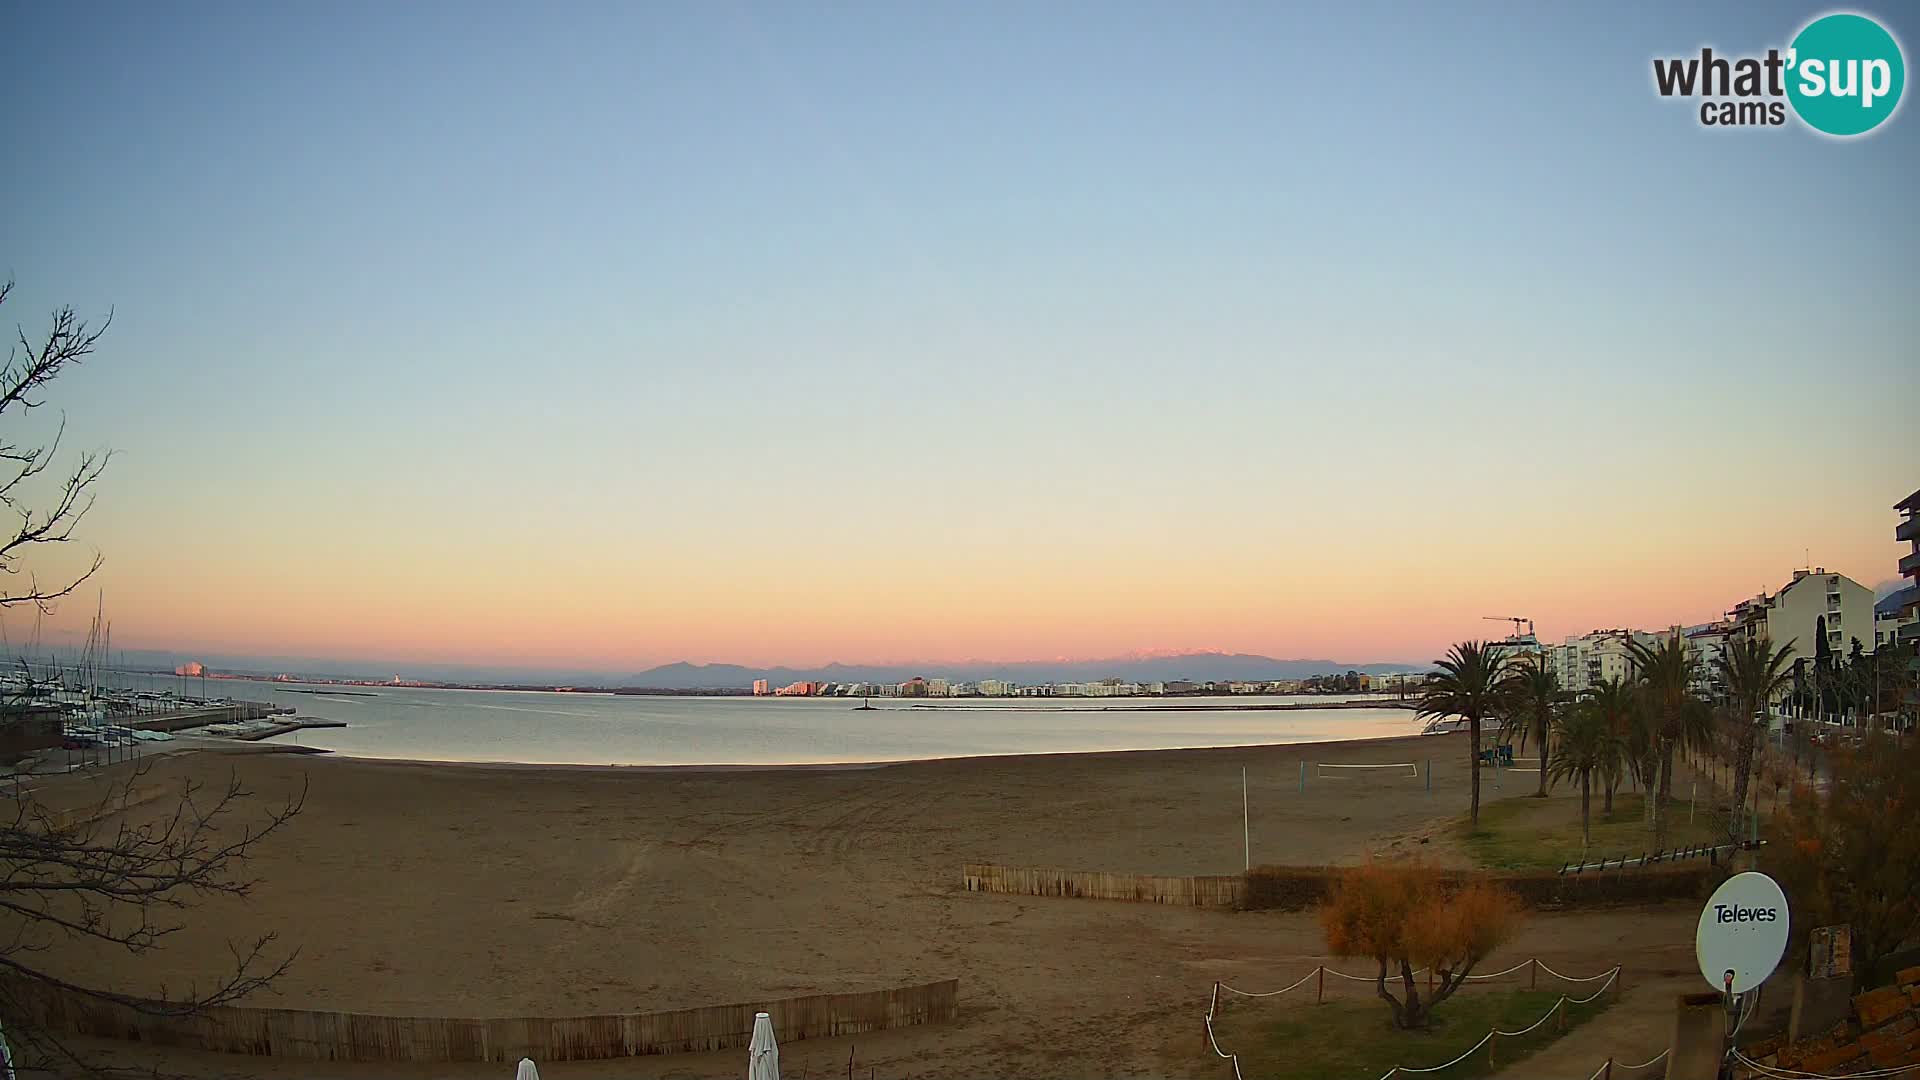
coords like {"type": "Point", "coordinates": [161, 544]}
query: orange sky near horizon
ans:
{"type": "Point", "coordinates": [1344, 581]}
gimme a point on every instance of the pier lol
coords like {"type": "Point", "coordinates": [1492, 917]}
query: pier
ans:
{"type": "Point", "coordinates": [298, 723]}
{"type": "Point", "coordinates": [202, 715]}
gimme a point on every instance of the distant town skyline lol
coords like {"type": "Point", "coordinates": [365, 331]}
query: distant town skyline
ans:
{"type": "Point", "coordinates": [772, 335]}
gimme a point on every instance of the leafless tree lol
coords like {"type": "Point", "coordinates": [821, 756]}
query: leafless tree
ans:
{"type": "Point", "coordinates": [32, 363]}
{"type": "Point", "coordinates": [106, 873]}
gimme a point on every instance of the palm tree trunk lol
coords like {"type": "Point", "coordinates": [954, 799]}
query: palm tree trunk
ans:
{"type": "Point", "coordinates": [1473, 756]}
{"type": "Point", "coordinates": [1607, 806]}
{"type": "Point", "coordinates": [1662, 810]}
{"type": "Point", "coordinates": [1743, 765]}
{"type": "Point", "coordinates": [1542, 793]}
{"type": "Point", "coordinates": [1586, 812]}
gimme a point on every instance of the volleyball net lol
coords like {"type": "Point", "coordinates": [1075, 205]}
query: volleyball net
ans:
{"type": "Point", "coordinates": [1326, 770]}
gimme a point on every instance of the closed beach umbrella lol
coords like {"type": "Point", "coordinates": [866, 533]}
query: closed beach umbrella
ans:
{"type": "Point", "coordinates": [763, 1055]}
{"type": "Point", "coordinates": [526, 1071]}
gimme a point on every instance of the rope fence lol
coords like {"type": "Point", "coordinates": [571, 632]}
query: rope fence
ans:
{"type": "Point", "coordinates": [1232, 1059]}
{"type": "Point", "coordinates": [1795, 1074]}
{"type": "Point", "coordinates": [1322, 971]}
{"type": "Point", "coordinates": [1605, 1071]}
{"type": "Point", "coordinates": [1607, 979]}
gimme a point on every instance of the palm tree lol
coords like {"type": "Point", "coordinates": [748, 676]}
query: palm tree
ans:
{"type": "Point", "coordinates": [1469, 684]}
{"type": "Point", "coordinates": [1613, 701]}
{"type": "Point", "coordinates": [1533, 699]}
{"type": "Point", "coordinates": [1754, 673]}
{"type": "Point", "coordinates": [1664, 673]}
{"type": "Point", "coordinates": [1584, 745]}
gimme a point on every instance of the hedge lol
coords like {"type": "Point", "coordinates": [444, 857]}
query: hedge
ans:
{"type": "Point", "coordinates": [1295, 888]}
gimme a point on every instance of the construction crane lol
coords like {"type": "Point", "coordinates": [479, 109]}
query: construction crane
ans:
{"type": "Point", "coordinates": [1516, 620]}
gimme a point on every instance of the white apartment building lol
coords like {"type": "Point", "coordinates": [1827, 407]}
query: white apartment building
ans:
{"type": "Point", "coordinates": [938, 688]}
{"type": "Point", "coordinates": [1396, 682]}
{"type": "Point", "coordinates": [1707, 643]}
{"type": "Point", "coordinates": [1103, 688]}
{"type": "Point", "coordinates": [1515, 647]}
{"type": "Point", "coordinates": [1813, 602]}
{"type": "Point", "coordinates": [996, 687]}
{"type": "Point", "coordinates": [1587, 660]}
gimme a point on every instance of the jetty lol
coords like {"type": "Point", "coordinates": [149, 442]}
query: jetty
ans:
{"type": "Point", "coordinates": [192, 716]}
{"type": "Point", "coordinates": [284, 727]}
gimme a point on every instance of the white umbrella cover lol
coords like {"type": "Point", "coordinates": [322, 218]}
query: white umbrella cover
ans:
{"type": "Point", "coordinates": [763, 1054]}
{"type": "Point", "coordinates": [526, 1071]}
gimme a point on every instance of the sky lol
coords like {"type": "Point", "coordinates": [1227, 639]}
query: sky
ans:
{"type": "Point", "coordinates": [608, 335]}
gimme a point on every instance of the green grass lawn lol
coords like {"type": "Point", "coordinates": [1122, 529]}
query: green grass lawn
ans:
{"type": "Point", "coordinates": [1534, 834]}
{"type": "Point", "coordinates": [1353, 1039]}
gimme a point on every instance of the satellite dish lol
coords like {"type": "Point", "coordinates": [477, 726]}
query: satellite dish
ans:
{"type": "Point", "coordinates": [1743, 933]}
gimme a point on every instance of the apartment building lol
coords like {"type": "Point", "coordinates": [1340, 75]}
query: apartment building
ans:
{"type": "Point", "coordinates": [1813, 605]}
{"type": "Point", "coordinates": [1584, 662]}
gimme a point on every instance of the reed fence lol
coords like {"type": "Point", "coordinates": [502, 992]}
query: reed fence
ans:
{"type": "Point", "coordinates": [336, 1036]}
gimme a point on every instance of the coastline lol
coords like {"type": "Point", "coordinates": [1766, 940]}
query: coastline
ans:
{"type": "Point", "coordinates": [577, 890]}
{"type": "Point", "coordinates": [1013, 757]}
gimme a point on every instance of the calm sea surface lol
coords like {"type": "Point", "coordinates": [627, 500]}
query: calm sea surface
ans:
{"type": "Point", "coordinates": [597, 729]}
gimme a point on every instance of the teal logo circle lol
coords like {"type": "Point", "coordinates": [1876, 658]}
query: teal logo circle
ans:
{"type": "Point", "coordinates": [1845, 74]}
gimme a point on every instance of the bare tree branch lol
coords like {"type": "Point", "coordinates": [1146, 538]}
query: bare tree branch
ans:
{"type": "Point", "coordinates": [32, 363]}
{"type": "Point", "coordinates": [114, 874]}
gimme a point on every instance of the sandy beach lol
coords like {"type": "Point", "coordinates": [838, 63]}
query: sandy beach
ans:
{"type": "Point", "coordinates": [477, 890]}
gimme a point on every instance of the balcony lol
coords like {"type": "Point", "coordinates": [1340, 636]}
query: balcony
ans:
{"type": "Point", "coordinates": [1908, 529]}
{"type": "Point", "coordinates": [1910, 566]}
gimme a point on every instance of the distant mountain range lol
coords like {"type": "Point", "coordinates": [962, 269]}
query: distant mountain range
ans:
{"type": "Point", "coordinates": [1195, 667]}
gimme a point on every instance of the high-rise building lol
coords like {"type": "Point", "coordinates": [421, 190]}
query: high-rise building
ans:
{"type": "Point", "coordinates": [1595, 657]}
{"type": "Point", "coordinates": [1909, 633]}
{"type": "Point", "coordinates": [1706, 644]}
{"type": "Point", "coordinates": [759, 688]}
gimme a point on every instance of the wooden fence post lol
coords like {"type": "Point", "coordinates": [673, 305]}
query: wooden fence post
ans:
{"type": "Point", "coordinates": [1533, 976]}
{"type": "Point", "coordinates": [1607, 1073]}
{"type": "Point", "coordinates": [1320, 990]}
{"type": "Point", "coordinates": [1562, 1024]}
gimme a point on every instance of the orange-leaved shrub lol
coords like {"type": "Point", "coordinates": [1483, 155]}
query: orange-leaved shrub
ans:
{"type": "Point", "coordinates": [1408, 916]}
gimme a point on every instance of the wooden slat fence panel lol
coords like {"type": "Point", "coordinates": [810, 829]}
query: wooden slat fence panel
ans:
{"type": "Point", "coordinates": [333, 1036]}
{"type": "Point", "coordinates": [1221, 890]}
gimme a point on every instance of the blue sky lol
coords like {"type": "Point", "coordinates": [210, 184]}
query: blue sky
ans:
{"type": "Point", "coordinates": [549, 306]}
